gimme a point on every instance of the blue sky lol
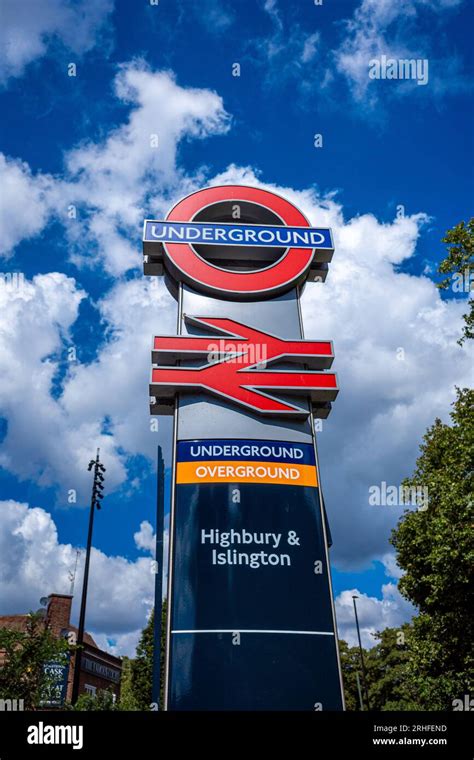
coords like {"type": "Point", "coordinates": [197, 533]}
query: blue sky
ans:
{"type": "Point", "coordinates": [84, 140]}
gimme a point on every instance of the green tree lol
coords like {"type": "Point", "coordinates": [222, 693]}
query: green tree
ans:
{"type": "Point", "coordinates": [388, 667]}
{"type": "Point", "coordinates": [22, 675]}
{"type": "Point", "coordinates": [142, 665]}
{"type": "Point", "coordinates": [127, 697]}
{"type": "Point", "coordinates": [435, 548]}
{"type": "Point", "coordinates": [459, 265]}
{"type": "Point", "coordinates": [103, 700]}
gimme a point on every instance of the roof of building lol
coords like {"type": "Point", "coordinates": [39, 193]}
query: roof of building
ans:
{"type": "Point", "coordinates": [18, 623]}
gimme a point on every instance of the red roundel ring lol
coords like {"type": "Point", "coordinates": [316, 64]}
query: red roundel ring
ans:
{"type": "Point", "coordinates": [186, 265]}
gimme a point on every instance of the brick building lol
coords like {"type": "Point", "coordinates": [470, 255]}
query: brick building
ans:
{"type": "Point", "coordinates": [100, 670]}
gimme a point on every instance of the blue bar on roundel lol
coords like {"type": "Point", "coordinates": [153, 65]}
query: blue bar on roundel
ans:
{"type": "Point", "coordinates": [207, 233]}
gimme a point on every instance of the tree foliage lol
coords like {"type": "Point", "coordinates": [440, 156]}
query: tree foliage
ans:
{"type": "Point", "coordinates": [387, 671]}
{"type": "Point", "coordinates": [22, 675]}
{"type": "Point", "coordinates": [429, 663]}
{"type": "Point", "coordinates": [435, 549]}
{"type": "Point", "coordinates": [350, 665]}
{"type": "Point", "coordinates": [142, 667]}
{"type": "Point", "coordinates": [459, 264]}
{"type": "Point", "coordinates": [127, 696]}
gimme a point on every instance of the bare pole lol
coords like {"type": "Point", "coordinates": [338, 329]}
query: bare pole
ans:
{"type": "Point", "coordinates": [364, 678]}
{"type": "Point", "coordinates": [156, 673]}
{"type": "Point", "coordinates": [359, 691]}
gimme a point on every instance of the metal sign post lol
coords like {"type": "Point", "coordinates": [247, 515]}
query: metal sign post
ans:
{"type": "Point", "coordinates": [158, 607]}
{"type": "Point", "coordinates": [251, 622]}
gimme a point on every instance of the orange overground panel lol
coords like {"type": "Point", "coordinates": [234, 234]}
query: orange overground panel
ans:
{"type": "Point", "coordinates": [246, 472]}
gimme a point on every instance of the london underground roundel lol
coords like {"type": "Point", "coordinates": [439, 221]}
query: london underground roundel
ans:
{"type": "Point", "coordinates": [203, 245]}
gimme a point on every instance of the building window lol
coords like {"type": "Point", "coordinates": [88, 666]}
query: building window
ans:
{"type": "Point", "coordinates": [90, 689]}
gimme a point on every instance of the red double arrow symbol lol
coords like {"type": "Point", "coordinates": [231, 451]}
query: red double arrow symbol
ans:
{"type": "Point", "coordinates": [237, 367]}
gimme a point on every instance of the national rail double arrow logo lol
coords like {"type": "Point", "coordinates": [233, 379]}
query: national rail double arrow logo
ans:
{"type": "Point", "coordinates": [234, 373]}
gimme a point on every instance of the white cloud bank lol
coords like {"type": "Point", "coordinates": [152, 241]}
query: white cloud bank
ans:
{"type": "Point", "coordinates": [50, 438]}
{"type": "Point", "coordinates": [33, 564]}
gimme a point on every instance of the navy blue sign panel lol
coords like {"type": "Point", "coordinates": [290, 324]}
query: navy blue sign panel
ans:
{"type": "Point", "coordinates": [251, 615]}
{"type": "Point", "coordinates": [57, 676]}
{"type": "Point", "coordinates": [255, 235]}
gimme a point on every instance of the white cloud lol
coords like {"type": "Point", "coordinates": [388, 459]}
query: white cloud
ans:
{"type": "Point", "coordinates": [22, 190]}
{"type": "Point", "coordinates": [116, 383]}
{"type": "Point", "coordinates": [43, 442]}
{"type": "Point", "coordinates": [33, 564]}
{"type": "Point", "coordinates": [122, 645]}
{"type": "Point", "coordinates": [398, 364]}
{"type": "Point", "coordinates": [50, 438]}
{"type": "Point", "coordinates": [134, 170]}
{"type": "Point", "coordinates": [145, 538]}
{"type": "Point", "coordinates": [382, 27]}
{"type": "Point", "coordinates": [214, 15]}
{"type": "Point", "coordinates": [374, 614]}
{"type": "Point", "coordinates": [30, 27]}
{"type": "Point", "coordinates": [310, 47]}
{"type": "Point", "coordinates": [392, 569]}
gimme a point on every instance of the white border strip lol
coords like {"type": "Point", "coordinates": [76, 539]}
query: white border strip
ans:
{"type": "Point", "coordinates": [251, 630]}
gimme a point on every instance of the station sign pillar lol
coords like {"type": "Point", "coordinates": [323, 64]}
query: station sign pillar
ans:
{"type": "Point", "coordinates": [251, 623]}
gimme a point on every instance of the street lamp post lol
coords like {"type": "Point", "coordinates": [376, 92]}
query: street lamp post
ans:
{"type": "Point", "coordinates": [362, 664]}
{"type": "Point", "coordinates": [97, 494]}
